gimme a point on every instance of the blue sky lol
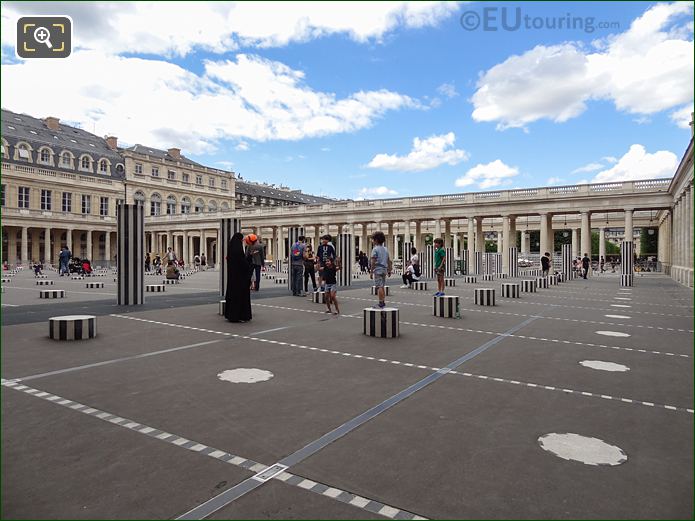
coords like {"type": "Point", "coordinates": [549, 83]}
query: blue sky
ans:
{"type": "Point", "coordinates": [376, 99]}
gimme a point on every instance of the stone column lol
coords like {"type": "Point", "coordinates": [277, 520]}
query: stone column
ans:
{"type": "Point", "coordinates": [500, 241]}
{"type": "Point", "coordinates": [12, 245]}
{"type": "Point", "coordinates": [586, 234]}
{"type": "Point", "coordinates": [107, 248]}
{"type": "Point", "coordinates": [203, 244]}
{"type": "Point", "coordinates": [512, 231]}
{"type": "Point", "coordinates": [479, 237]}
{"type": "Point", "coordinates": [184, 248]}
{"type": "Point", "coordinates": [447, 233]}
{"type": "Point", "coordinates": [525, 239]}
{"type": "Point", "coordinates": [406, 232]}
{"type": "Point", "coordinates": [47, 258]}
{"type": "Point", "coordinates": [471, 245]}
{"type": "Point", "coordinates": [25, 246]}
{"type": "Point", "coordinates": [281, 243]}
{"type": "Point", "coordinates": [601, 243]}
{"type": "Point", "coordinates": [365, 238]}
{"type": "Point", "coordinates": [90, 255]}
{"type": "Point", "coordinates": [575, 243]}
{"type": "Point", "coordinates": [629, 228]}
{"type": "Point", "coordinates": [438, 229]}
{"type": "Point", "coordinates": [544, 233]}
{"type": "Point", "coordinates": [418, 235]}
{"type": "Point", "coordinates": [688, 228]}
{"type": "Point", "coordinates": [506, 243]}
{"type": "Point", "coordinates": [457, 248]}
{"type": "Point", "coordinates": [68, 239]}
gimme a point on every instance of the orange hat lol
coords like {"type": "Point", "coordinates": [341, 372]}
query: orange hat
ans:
{"type": "Point", "coordinates": [250, 238]}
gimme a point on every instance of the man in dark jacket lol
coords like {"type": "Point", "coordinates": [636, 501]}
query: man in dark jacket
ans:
{"type": "Point", "coordinates": [586, 262]}
{"type": "Point", "coordinates": [63, 259]}
{"type": "Point", "coordinates": [545, 263]}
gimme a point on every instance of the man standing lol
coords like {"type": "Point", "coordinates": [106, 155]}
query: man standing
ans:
{"type": "Point", "coordinates": [297, 266]}
{"type": "Point", "coordinates": [545, 263]}
{"type": "Point", "coordinates": [63, 259]}
{"type": "Point", "coordinates": [586, 262]}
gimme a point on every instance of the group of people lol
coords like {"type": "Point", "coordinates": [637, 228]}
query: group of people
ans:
{"type": "Point", "coordinates": [305, 264]}
{"type": "Point", "coordinates": [170, 267]}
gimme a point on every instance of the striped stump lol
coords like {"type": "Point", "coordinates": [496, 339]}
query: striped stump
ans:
{"type": "Point", "coordinates": [484, 296]}
{"type": "Point", "coordinates": [449, 283]}
{"type": "Point", "coordinates": [374, 290]}
{"type": "Point", "coordinates": [94, 285]}
{"type": "Point", "coordinates": [470, 279]}
{"type": "Point", "coordinates": [502, 276]}
{"type": "Point", "coordinates": [446, 306]}
{"type": "Point", "coordinates": [155, 288]}
{"type": "Point", "coordinates": [355, 276]}
{"type": "Point", "coordinates": [223, 305]}
{"type": "Point", "coordinates": [380, 323]}
{"type": "Point", "coordinates": [170, 281]}
{"type": "Point", "coordinates": [52, 293]}
{"type": "Point", "coordinates": [318, 297]}
{"type": "Point", "coordinates": [542, 282]}
{"type": "Point", "coordinates": [511, 290]}
{"type": "Point", "coordinates": [552, 280]}
{"type": "Point", "coordinates": [6, 281]}
{"type": "Point", "coordinates": [40, 276]}
{"type": "Point", "coordinates": [561, 277]}
{"type": "Point", "coordinates": [627, 279]}
{"type": "Point", "coordinates": [280, 280]}
{"type": "Point", "coordinates": [72, 327]}
{"type": "Point", "coordinates": [420, 286]}
{"type": "Point", "coordinates": [270, 276]}
{"type": "Point", "coordinates": [44, 283]}
{"type": "Point", "coordinates": [488, 277]}
{"type": "Point", "coordinates": [528, 286]}
{"type": "Point", "coordinates": [77, 277]}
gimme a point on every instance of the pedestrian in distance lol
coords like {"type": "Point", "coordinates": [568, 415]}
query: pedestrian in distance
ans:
{"type": "Point", "coordinates": [309, 268]}
{"type": "Point", "coordinates": [329, 273]}
{"type": "Point", "coordinates": [545, 263]}
{"type": "Point", "coordinates": [586, 262]}
{"type": "Point", "coordinates": [297, 266]}
{"type": "Point", "coordinates": [439, 265]}
{"type": "Point", "coordinates": [381, 267]}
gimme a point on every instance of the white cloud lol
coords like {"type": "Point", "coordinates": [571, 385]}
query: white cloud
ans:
{"type": "Point", "coordinates": [242, 146]}
{"type": "Point", "coordinates": [682, 116]}
{"type": "Point", "coordinates": [448, 90]}
{"type": "Point", "coordinates": [178, 28]}
{"type": "Point", "coordinates": [609, 159]}
{"type": "Point", "coordinates": [495, 173]}
{"type": "Point", "coordinates": [647, 69]}
{"type": "Point", "coordinates": [555, 181]}
{"type": "Point", "coordinates": [426, 154]}
{"type": "Point", "coordinates": [375, 193]}
{"type": "Point", "coordinates": [637, 163]}
{"type": "Point", "coordinates": [161, 104]}
{"type": "Point", "coordinates": [228, 165]}
{"type": "Point", "coordinates": [325, 149]}
{"type": "Point", "coordinates": [591, 167]}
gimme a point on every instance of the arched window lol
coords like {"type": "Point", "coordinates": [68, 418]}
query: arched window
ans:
{"type": "Point", "coordinates": [185, 205]}
{"type": "Point", "coordinates": [224, 207]}
{"type": "Point", "coordinates": [86, 163]}
{"type": "Point", "coordinates": [66, 160]}
{"type": "Point", "coordinates": [199, 205]}
{"type": "Point", "coordinates": [103, 166]}
{"type": "Point", "coordinates": [139, 198]}
{"type": "Point", "coordinates": [119, 168]}
{"type": "Point", "coordinates": [5, 148]}
{"type": "Point", "coordinates": [45, 156]}
{"type": "Point", "coordinates": [171, 205]}
{"type": "Point", "coordinates": [155, 204]}
{"type": "Point", "coordinates": [212, 206]}
{"type": "Point", "coordinates": [23, 152]}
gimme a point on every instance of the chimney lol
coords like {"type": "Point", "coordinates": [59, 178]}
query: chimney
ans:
{"type": "Point", "coordinates": [175, 153]}
{"type": "Point", "coordinates": [52, 123]}
{"type": "Point", "coordinates": [112, 142]}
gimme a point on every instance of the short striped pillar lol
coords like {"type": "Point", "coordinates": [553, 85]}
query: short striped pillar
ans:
{"type": "Point", "coordinates": [223, 306]}
{"type": "Point", "coordinates": [513, 255]}
{"type": "Point", "coordinates": [465, 269]}
{"type": "Point", "coordinates": [567, 261]}
{"type": "Point", "coordinates": [380, 322]}
{"type": "Point", "coordinates": [479, 263]}
{"type": "Point", "coordinates": [542, 283]}
{"type": "Point", "coordinates": [528, 286]}
{"type": "Point", "coordinates": [52, 293]}
{"type": "Point", "coordinates": [493, 263]}
{"type": "Point", "coordinates": [155, 288]}
{"type": "Point", "coordinates": [484, 296]}
{"type": "Point", "coordinates": [318, 297]}
{"type": "Point", "coordinates": [502, 276]}
{"type": "Point", "coordinates": [374, 290]}
{"type": "Point", "coordinates": [278, 266]}
{"type": "Point", "coordinates": [131, 252]}
{"type": "Point", "coordinates": [420, 286]}
{"type": "Point", "coordinates": [280, 280]}
{"type": "Point", "coordinates": [228, 227]}
{"type": "Point", "coordinates": [293, 233]}
{"type": "Point", "coordinates": [552, 280]}
{"type": "Point", "coordinates": [627, 270]}
{"type": "Point", "coordinates": [44, 283]}
{"type": "Point", "coordinates": [42, 276]}
{"type": "Point", "coordinates": [511, 290]}
{"type": "Point", "coordinates": [449, 283]}
{"type": "Point", "coordinates": [72, 327]}
{"type": "Point", "coordinates": [170, 281]}
{"type": "Point", "coordinates": [6, 281]}
{"type": "Point", "coordinates": [94, 285]}
{"type": "Point", "coordinates": [77, 277]}
{"type": "Point", "coordinates": [345, 251]}
{"type": "Point", "coordinates": [561, 277]}
{"type": "Point", "coordinates": [446, 306]}
{"type": "Point", "coordinates": [470, 279]}
{"type": "Point", "coordinates": [488, 277]}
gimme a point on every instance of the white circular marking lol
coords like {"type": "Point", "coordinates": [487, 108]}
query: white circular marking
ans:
{"type": "Point", "coordinates": [590, 451]}
{"type": "Point", "coordinates": [620, 306]}
{"type": "Point", "coordinates": [621, 298]}
{"type": "Point", "coordinates": [244, 375]}
{"type": "Point", "coordinates": [604, 366]}
{"type": "Point", "coordinates": [616, 316]}
{"type": "Point", "coordinates": [613, 333]}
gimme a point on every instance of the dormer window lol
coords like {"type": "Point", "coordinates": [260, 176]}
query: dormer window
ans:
{"type": "Point", "coordinates": [86, 163]}
{"type": "Point", "coordinates": [103, 166]}
{"type": "Point", "coordinates": [23, 153]}
{"type": "Point", "coordinates": [45, 156]}
{"type": "Point", "coordinates": [66, 160]}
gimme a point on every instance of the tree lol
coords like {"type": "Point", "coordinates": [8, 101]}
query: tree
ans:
{"type": "Point", "coordinates": [649, 244]}
{"type": "Point", "coordinates": [611, 249]}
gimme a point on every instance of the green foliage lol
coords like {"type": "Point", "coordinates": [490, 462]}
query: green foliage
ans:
{"type": "Point", "coordinates": [649, 244]}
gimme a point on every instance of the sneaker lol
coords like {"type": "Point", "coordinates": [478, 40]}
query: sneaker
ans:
{"type": "Point", "coordinates": [438, 294]}
{"type": "Point", "coordinates": [405, 286]}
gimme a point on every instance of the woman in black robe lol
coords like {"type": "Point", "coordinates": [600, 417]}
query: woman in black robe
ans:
{"type": "Point", "coordinates": [238, 295]}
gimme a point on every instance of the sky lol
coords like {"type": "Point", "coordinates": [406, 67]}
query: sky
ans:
{"type": "Point", "coordinates": [368, 100]}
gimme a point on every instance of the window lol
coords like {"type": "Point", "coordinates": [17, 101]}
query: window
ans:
{"type": "Point", "coordinates": [155, 204]}
{"type": "Point", "coordinates": [199, 206]}
{"type": "Point", "coordinates": [155, 171]}
{"type": "Point", "coordinates": [185, 205]}
{"type": "Point", "coordinates": [103, 166]}
{"type": "Point", "coordinates": [185, 178]}
{"type": "Point", "coordinates": [224, 207]}
{"type": "Point", "coordinates": [171, 175]}
{"type": "Point", "coordinates": [212, 206]}
{"type": "Point", "coordinates": [139, 198]}
{"type": "Point", "coordinates": [171, 205]}
{"type": "Point", "coordinates": [86, 204]}
{"type": "Point", "coordinates": [2, 195]}
{"type": "Point", "coordinates": [46, 200]}
{"type": "Point", "coordinates": [67, 202]}
{"type": "Point", "coordinates": [23, 197]}
{"type": "Point", "coordinates": [138, 168]}
{"type": "Point", "coordinates": [65, 159]}
{"type": "Point", "coordinates": [23, 152]}
{"type": "Point", "coordinates": [103, 206]}
{"type": "Point", "coordinates": [211, 182]}
{"type": "Point", "coordinates": [223, 184]}
{"type": "Point", "coordinates": [199, 179]}
{"type": "Point", "coordinates": [45, 156]}
{"type": "Point", "coordinates": [86, 163]}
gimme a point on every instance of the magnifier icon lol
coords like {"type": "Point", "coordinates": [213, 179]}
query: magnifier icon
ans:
{"type": "Point", "coordinates": [42, 35]}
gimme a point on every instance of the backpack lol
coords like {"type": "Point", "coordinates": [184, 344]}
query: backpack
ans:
{"type": "Point", "coordinates": [296, 252]}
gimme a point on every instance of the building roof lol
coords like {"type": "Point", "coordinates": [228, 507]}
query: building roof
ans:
{"type": "Point", "coordinates": [263, 190]}
{"type": "Point", "coordinates": [162, 154]}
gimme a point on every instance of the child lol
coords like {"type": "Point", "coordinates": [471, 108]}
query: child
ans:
{"type": "Point", "coordinates": [323, 252]}
{"type": "Point", "coordinates": [329, 279]}
{"type": "Point", "coordinates": [381, 267]}
{"type": "Point", "coordinates": [439, 266]}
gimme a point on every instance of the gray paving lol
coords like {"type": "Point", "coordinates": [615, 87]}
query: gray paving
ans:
{"type": "Point", "coordinates": [137, 424]}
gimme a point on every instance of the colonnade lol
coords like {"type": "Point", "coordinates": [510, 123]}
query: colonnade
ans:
{"type": "Point", "coordinates": [26, 244]}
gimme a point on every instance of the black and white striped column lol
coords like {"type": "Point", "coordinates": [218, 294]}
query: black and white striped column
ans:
{"type": "Point", "coordinates": [542, 282]}
{"type": "Point", "coordinates": [511, 290]}
{"type": "Point", "coordinates": [470, 279]}
{"type": "Point", "coordinates": [484, 296]}
{"type": "Point", "coordinates": [381, 323]}
{"type": "Point", "coordinates": [446, 306]}
{"type": "Point", "coordinates": [318, 297]}
{"type": "Point", "coordinates": [346, 251]}
{"type": "Point", "coordinates": [228, 227]}
{"type": "Point", "coordinates": [464, 263]}
{"type": "Point", "coordinates": [419, 285]}
{"type": "Point", "coordinates": [293, 234]}
{"type": "Point", "coordinates": [52, 293]}
{"type": "Point", "coordinates": [72, 327]}
{"type": "Point", "coordinates": [427, 262]}
{"type": "Point", "coordinates": [567, 261]}
{"type": "Point", "coordinates": [375, 290]}
{"type": "Point", "coordinates": [479, 267]}
{"type": "Point", "coordinates": [513, 262]}
{"type": "Point", "coordinates": [449, 259]}
{"type": "Point", "coordinates": [627, 269]}
{"type": "Point", "coordinates": [528, 286]}
{"type": "Point", "coordinates": [131, 254]}
{"type": "Point", "coordinates": [407, 246]}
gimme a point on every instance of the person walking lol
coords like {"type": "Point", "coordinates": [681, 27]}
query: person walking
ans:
{"type": "Point", "coordinates": [255, 256]}
{"type": "Point", "coordinates": [381, 267]}
{"type": "Point", "coordinates": [238, 291]}
{"type": "Point", "coordinates": [63, 258]}
{"type": "Point", "coordinates": [545, 263]}
{"type": "Point", "coordinates": [324, 251]}
{"type": "Point", "coordinates": [148, 262]}
{"type": "Point", "coordinates": [203, 262]}
{"type": "Point", "coordinates": [329, 274]}
{"type": "Point", "coordinates": [602, 263]}
{"type": "Point", "coordinates": [297, 266]}
{"type": "Point", "coordinates": [309, 268]}
{"type": "Point", "coordinates": [586, 262]}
